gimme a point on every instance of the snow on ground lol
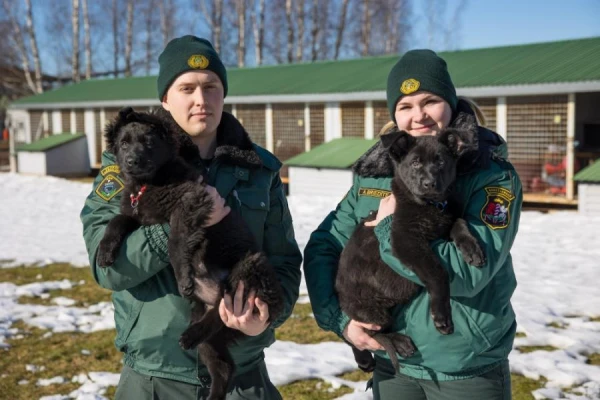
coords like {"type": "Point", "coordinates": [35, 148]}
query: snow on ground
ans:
{"type": "Point", "coordinates": [555, 257]}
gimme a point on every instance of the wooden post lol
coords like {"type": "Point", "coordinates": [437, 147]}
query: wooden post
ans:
{"type": "Point", "coordinates": [570, 147]}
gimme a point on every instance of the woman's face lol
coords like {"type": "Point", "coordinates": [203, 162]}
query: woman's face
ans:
{"type": "Point", "coordinates": [422, 113]}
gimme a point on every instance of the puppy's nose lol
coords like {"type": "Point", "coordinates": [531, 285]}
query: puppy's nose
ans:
{"type": "Point", "coordinates": [427, 183]}
{"type": "Point", "coordinates": [131, 161]}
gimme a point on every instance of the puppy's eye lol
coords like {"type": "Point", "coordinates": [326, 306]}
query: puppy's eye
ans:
{"type": "Point", "coordinates": [415, 164]}
{"type": "Point", "coordinates": [123, 144]}
{"type": "Point", "coordinates": [441, 163]}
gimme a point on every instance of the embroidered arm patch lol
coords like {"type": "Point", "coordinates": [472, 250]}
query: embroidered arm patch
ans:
{"type": "Point", "coordinates": [496, 210]}
{"type": "Point", "coordinates": [109, 187]}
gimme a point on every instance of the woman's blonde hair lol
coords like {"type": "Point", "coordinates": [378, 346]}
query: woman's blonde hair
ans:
{"type": "Point", "coordinates": [463, 102]}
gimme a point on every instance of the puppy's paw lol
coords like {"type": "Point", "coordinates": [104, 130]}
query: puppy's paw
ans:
{"type": "Point", "coordinates": [186, 290]}
{"type": "Point", "coordinates": [187, 341]}
{"type": "Point", "coordinates": [404, 345]}
{"type": "Point", "coordinates": [442, 318]}
{"type": "Point", "coordinates": [472, 253]}
{"type": "Point", "coordinates": [106, 255]}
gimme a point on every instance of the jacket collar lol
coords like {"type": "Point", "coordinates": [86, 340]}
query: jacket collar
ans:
{"type": "Point", "coordinates": [376, 163]}
{"type": "Point", "coordinates": [233, 142]}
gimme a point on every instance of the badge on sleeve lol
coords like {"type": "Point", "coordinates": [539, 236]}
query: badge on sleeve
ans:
{"type": "Point", "coordinates": [496, 210]}
{"type": "Point", "coordinates": [109, 187]}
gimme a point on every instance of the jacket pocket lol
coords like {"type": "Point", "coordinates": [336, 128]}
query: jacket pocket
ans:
{"type": "Point", "coordinates": [469, 329]}
{"type": "Point", "coordinates": [127, 311]}
{"type": "Point", "coordinates": [254, 206]}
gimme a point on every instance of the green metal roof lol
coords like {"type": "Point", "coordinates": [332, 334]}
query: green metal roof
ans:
{"type": "Point", "coordinates": [50, 142]}
{"type": "Point", "coordinates": [551, 62]}
{"type": "Point", "coordinates": [589, 174]}
{"type": "Point", "coordinates": [338, 153]}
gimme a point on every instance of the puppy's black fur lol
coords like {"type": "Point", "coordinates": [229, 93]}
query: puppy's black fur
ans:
{"type": "Point", "coordinates": [208, 262]}
{"type": "Point", "coordinates": [424, 173]}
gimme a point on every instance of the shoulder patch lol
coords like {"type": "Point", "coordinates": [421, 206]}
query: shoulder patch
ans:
{"type": "Point", "coordinates": [109, 187]}
{"type": "Point", "coordinates": [377, 193]}
{"type": "Point", "coordinates": [111, 168]}
{"type": "Point", "coordinates": [496, 210]}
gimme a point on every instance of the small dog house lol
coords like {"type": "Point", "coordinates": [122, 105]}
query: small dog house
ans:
{"type": "Point", "coordinates": [588, 187]}
{"type": "Point", "coordinates": [326, 169]}
{"type": "Point", "coordinates": [64, 154]}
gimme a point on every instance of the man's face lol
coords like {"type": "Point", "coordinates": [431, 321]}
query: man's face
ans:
{"type": "Point", "coordinates": [195, 100]}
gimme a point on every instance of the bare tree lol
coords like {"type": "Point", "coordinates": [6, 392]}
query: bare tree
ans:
{"type": "Point", "coordinates": [149, 16]}
{"type": "Point", "coordinates": [75, 55]}
{"type": "Point", "coordinates": [258, 28]}
{"type": "Point", "coordinates": [166, 10]}
{"type": "Point", "coordinates": [87, 40]}
{"type": "Point", "coordinates": [315, 30]}
{"type": "Point", "coordinates": [290, 30]}
{"type": "Point", "coordinates": [20, 45]}
{"type": "Point", "coordinates": [115, 32]}
{"type": "Point", "coordinates": [365, 32]}
{"type": "Point", "coordinates": [452, 29]}
{"type": "Point", "coordinates": [129, 37]}
{"type": "Point", "coordinates": [214, 18]}
{"type": "Point", "coordinates": [240, 7]}
{"type": "Point", "coordinates": [34, 48]}
{"type": "Point", "coordinates": [340, 29]}
{"type": "Point", "coordinates": [300, 38]}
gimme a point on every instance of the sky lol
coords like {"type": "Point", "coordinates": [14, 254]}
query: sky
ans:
{"type": "Point", "coordinates": [489, 23]}
{"type": "Point", "coordinates": [555, 257]}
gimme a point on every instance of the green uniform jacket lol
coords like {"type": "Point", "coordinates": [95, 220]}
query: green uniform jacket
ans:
{"type": "Point", "coordinates": [150, 315]}
{"type": "Point", "coordinates": [483, 316]}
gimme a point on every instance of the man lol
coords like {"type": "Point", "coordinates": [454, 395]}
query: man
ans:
{"type": "Point", "coordinates": [150, 315]}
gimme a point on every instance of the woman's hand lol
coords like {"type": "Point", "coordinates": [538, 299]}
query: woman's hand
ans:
{"type": "Point", "coordinates": [355, 334]}
{"type": "Point", "coordinates": [220, 210]}
{"type": "Point", "coordinates": [386, 207]}
{"type": "Point", "coordinates": [239, 314]}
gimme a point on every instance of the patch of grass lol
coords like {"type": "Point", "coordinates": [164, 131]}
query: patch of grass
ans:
{"type": "Point", "coordinates": [60, 354]}
{"type": "Point", "coordinates": [594, 359]}
{"type": "Point", "coordinates": [557, 325]}
{"type": "Point", "coordinates": [84, 295]}
{"type": "Point", "coordinates": [82, 179]}
{"type": "Point", "coordinates": [302, 328]}
{"type": "Point", "coordinates": [312, 389]}
{"type": "Point", "coordinates": [529, 349]}
{"type": "Point", "coordinates": [520, 334]}
{"type": "Point", "coordinates": [356, 376]}
{"type": "Point", "coordinates": [522, 387]}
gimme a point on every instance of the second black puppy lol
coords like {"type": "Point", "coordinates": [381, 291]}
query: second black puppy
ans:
{"type": "Point", "coordinates": [162, 187]}
{"type": "Point", "coordinates": [424, 173]}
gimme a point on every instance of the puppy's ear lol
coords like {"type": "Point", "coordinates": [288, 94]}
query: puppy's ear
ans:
{"type": "Point", "coordinates": [398, 144]}
{"type": "Point", "coordinates": [125, 112]}
{"type": "Point", "coordinates": [111, 131]}
{"type": "Point", "coordinates": [460, 142]}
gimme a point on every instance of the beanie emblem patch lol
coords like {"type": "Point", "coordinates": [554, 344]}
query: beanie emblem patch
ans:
{"type": "Point", "coordinates": [410, 86]}
{"type": "Point", "coordinates": [198, 61]}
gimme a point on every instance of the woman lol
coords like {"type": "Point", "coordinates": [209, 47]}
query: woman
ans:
{"type": "Point", "coordinates": [471, 363]}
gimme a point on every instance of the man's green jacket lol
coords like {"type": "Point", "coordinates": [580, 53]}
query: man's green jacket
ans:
{"type": "Point", "coordinates": [150, 314]}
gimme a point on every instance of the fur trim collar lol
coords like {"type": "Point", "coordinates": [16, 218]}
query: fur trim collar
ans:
{"type": "Point", "coordinates": [233, 142]}
{"type": "Point", "coordinates": [376, 163]}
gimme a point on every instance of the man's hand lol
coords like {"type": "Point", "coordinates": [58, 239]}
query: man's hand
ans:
{"type": "Point", "coordinates": [355, 334]}
{"type": "Point", "coordinates": [239, 314]}
{"type": "Point", "coordinates": [220, 210]}
{"type": "Point", "coordinates": [386, 207]}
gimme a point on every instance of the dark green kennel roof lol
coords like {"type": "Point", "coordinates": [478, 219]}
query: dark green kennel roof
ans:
{"type": "Point", "coordinates": [539, 63]}
{"type": "Point", "coordinates": [338, 153]}
{"type": "Point", "coordinates": [50, 142]}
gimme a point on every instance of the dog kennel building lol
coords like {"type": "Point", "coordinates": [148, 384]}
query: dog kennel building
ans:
{"type": "Point", "coordinates": [543, 98]}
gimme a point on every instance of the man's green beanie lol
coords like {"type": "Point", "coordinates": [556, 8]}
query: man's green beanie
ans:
{"type": "Point", "coordinates": [187, 53]}
{"type": "Point", "coordinates": [419, 70]}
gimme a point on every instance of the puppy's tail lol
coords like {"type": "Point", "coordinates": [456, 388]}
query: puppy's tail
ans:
{"type": "Point", "coordinates": [389, 348]}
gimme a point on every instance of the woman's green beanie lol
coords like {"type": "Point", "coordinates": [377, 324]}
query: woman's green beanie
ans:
{"type": "Point", "coordinates": [420, 70]}
{"type": "Point", "coordinates": [188, 53]}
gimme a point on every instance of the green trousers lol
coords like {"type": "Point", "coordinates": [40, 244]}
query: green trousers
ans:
{"type": "Point", "coordinates": [252, 385]}
{"type": "Point", "coordinates": [492, 385]}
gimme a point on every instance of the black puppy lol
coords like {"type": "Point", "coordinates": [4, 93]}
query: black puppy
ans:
{"type": "Point", "coordinates": [161, 187]}
{"type": "Point", "coordinates": [425, 170]}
